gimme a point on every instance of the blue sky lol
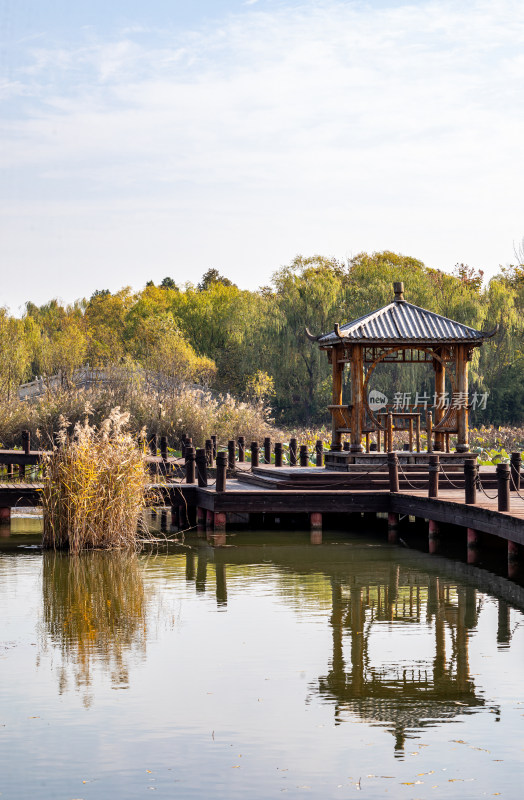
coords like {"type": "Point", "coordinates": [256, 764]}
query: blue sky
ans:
{"type": "Point", "coordinates": [144, 140]}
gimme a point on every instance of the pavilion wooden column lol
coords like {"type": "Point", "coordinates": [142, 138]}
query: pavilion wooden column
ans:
{"type": "Point", "coordinates": [440, 388]}
{"type": "Point", "coordinates": [462, 389]}
{"type": "Point", "coordinates": [357, 398]}
{"type": "Point", "coordinates": [338, 369]}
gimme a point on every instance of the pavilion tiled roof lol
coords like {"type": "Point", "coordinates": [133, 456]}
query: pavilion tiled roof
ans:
{"type": "Point", "coordinates": [404, 322]}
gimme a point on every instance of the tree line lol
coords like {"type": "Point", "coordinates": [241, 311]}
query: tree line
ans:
{"type": "Point", "coordinates": [252, 343]}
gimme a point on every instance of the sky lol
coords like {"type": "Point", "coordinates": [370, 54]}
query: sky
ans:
{"type": "Point", "coordinates": [144, 140]}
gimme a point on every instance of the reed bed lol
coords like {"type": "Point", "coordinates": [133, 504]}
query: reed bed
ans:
{"type": "Point", "coordinates": [188, 410]}
{"type": "Point", "coordinates": [94, 487]}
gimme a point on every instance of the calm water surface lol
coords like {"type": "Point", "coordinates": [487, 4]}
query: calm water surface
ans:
{"type": "Point", "coordinates": [266, 668]}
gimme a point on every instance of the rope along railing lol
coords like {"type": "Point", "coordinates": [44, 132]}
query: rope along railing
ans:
{"type": "Point", "coordinates": [482, 489]}
{"type": "Point", "coordinates": [447, 477]}
{"type": "Point", "coordinates": [410, 484]}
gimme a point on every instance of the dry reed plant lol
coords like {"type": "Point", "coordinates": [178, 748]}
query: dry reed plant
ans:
{"type": "Point", "coordinates": [94, 487]}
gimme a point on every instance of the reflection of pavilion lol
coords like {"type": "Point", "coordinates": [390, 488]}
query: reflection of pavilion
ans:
{"type": "Point", "coordinates": [403, 699]}
{"type": "Point", "coordinates": [370, 590]}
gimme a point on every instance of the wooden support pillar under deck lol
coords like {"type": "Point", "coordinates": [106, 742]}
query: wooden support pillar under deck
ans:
{"type": "Point", "coordinates": [315, 520]}
{"type": "Point", "coordinates": [5, 515]}
{"type": "Point", "coordinates": [338, 369]}
{"type": "Point", "coordinates": [201, 518]}
{"type": "Point", "coordinates": [462, 389]}
{"type": "Point", "coordinates": [473, 546]}
{"type": "Point", "coordinates": [219, 521]}
{"type": "Point", "coordinates": [434, 538]}
{"type": "Point", "coordinates": [513, 559]}
{"type": "Point", "coordinates": [393, 520]}
{"type": "Point", "coordinates": [357, 398]}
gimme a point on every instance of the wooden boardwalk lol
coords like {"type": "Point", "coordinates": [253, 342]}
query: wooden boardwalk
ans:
{"type": "Point", "coordinates": [254, 493]}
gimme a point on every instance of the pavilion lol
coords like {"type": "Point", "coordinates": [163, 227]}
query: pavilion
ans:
{"type": "Point", "coordinates": [399, 332]}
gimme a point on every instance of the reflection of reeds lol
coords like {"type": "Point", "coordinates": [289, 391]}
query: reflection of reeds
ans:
{"type": "Point", "coordinates": [94, 610]}
{"type": "Point", "coordinates": [94, 488]}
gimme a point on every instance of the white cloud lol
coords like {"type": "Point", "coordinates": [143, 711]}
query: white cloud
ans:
{"type": "Point", "coordinates": [331, 127]}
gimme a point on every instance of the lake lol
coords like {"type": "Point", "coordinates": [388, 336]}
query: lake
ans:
{"type": "Point", "coordinates": [270, 667]}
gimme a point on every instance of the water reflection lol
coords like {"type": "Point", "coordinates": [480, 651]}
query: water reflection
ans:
{"type": "Point", "coordinates": [94, 612]}
{"type": "Point", "coordinates": [400, 623]}
{"type": "Point", "coordinates": [374, 673]}
{"type": "Point", "coordinates": [404, 698]}
{"type": "Point", "coordinates": [204, 556]}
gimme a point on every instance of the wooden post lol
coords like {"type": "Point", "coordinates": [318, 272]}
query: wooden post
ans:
{"type": "Point", "coordinates": [389, 433]}
{"type": "Point", "coordinates": [304, 455]}
{"type": "Point", "coordinates": [153, 444]}
{"type": "Point", "coordinates": [214, 440]}
{"type": "Point", "coordinates": [393, 472]}
{"type": "Point", "coordinates": [254, 454]}
{"type": "Point", "coordinates": [429, 430]}
{"type": "Point", "coordinates": [378, 440]}
{"type": "Point", "coordinates": [293, 452]}
{"type": "Point", "coordinates": [319, 453]}
{"type": "Point", "coordinates": [21, 472]}
{"type": "Point", "coordinates": [267, 450]}
{"type": "Point", "coordinates": [222, 459]}
{"type": "Point", "coordinates": [417, 433]}
{"type": "Point", "coordinates": [241, 449]}
{"type": "Point", "coordinates": [440, 389]}
{"type": "Point", "coordinates": [462, 388]}
{"type": "Point", "coordinates": [163, 453]}
{"type": "Point", "coordinates": [26, 442]}
{"type": "Point", "coordinates": [411, 434]}
{"type": "Point", "coordinates": [357, 398]}
{"type": "Point", "coordinates": [187, 442]}
{"type": "Point", "coordinates": [503, 476]}
{"type": "Point", "coordinates": [209, 453]}
{"type": "Point", "coordinates": [5, 515]}
{"type": "Point", "coordinates": [433, 472]}
{"type": "Point", "coordinates": [278, 454]}
{"type": "Point", "coordinates": [231, 451]}
{"type": "Point", "coordinates": [367, 441]}
{"type": "Point", "coordinates": [337, 370]}
{"type": "Point", "coordinates": [470, 481]}
{"type": "Point", "coordinates": [201, 466]}
{"type": "Point", "coordinates": [190, 464]}
{"type": "Point", "coordinates": [516, 462]}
